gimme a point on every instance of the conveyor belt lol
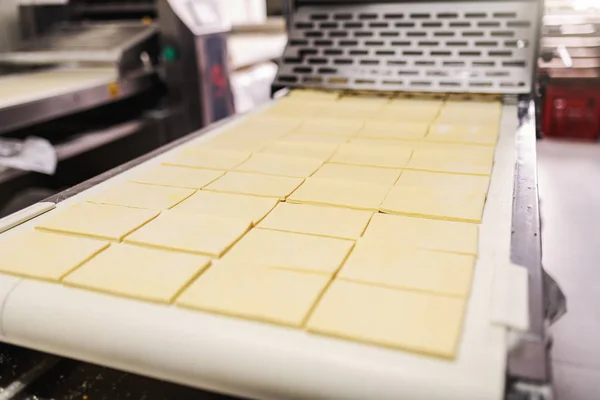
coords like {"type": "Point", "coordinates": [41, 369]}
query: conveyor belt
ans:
{"type": "Point", "coordinates": [183, 372]}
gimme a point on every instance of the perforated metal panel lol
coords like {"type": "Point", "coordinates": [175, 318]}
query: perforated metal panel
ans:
{"type": "Point", "coordinates": [484, 46]}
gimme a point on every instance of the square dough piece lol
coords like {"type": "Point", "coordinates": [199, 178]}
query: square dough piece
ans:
{"type": "Point", "coordinates": [276, 120]}
{"type": "Point", "coordinates": [272, 164]}
{"type": "Point", "coordinates": [398, 267]}
{"type": "Point", "coordinates": [264, 294]}
{"type": "Point", "coordinates": [138, 272]}
{"type": "Point", "coordinates": [359, 173]}
{"type": "Point", "coordinates": [458, 162]}
{"type": "Point", "coordinates": [301, 137]}
{"type": "Point", "coordinates": [256, 131]}
{"type": "Point", "coordinates": [468, 117]}
{"type": "Point", "coordinates": [439, 203]}
{"type": "Point", "coordinates": [313, 94]}
{"type": "Point", "coordinates": [394, 130]}
{"type": "Point", "coordinates": [450, 236]}
{"type": "Point", "coordinates": [336, 222]}
{"type": "Point", "coordinates": [266, 125]}
{"type": "Point", "coordinates": [373, 156]}
{"type": "Point", "coordinates": [138, 195]}
{"type": "Point", "coordinates": [203, 157]}
{"type": "Point", "coordinates": [474, 134]}
{"type": "Point", "coordinates": [341, 126]}
{"type": "Point", "coordinates": [244, 145]}
{"type": "Point", "coordinates": [164, 175]}
{"type": "Point", "coordinates": [411, 321]}
{"type": "Point", "coordinates": [433, 180]}
{"type": "Point", "coordinates": [287, 250]}
{"type": "Point", "coordinates": [228, 205]}
{"type": "Point", "coordinates": [256, 184]}
{"type": "Point", "coordinates": [331, 192]}
{"type": "Point", "coordinates": [439, 149]}
{"type": "Point", "coordinates": [318, 151]}
{"type": "Point", "coordinates": [97, 220]}
{"type": "Point", "coordinates": [192, 233]}
{"type": "Point", "coordinates": [389, 143]}
{"type": "Point", "coordinates": [364, 102]}
{"type": "Point", "coordinates": [407, 114]}
{"type": "Point", "coordinates": [46, 256]}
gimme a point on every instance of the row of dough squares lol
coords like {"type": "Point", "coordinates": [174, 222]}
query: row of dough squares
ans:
{"type": "Point", "coordinates": [362, 178]}
{"type": "Point", "coordinates": [297, 256]}
{"type": "Point", "coordinates": [386, 118]}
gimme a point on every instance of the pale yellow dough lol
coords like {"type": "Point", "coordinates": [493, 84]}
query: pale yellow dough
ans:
{"type": "Point", "coordinates": [256, 184]}
{"type": "Point", "coordinates": [272, 164]}
{"type": "Point", "coordinates": [256, 131]}
{"type": "Point", "coordinates": [97, 220]}
{"type": "Point", "coordinates": [395, 266]}
{"type": "Point", "coordinates": [474, 134]}
{"type": "Point", "coordinates": [378, 176]}
{"type": "Point", "coordinates": [440, 149]}
{"type": "Point", "coordinates": [317, 220]}
{"type": "Point", "coordinates": [364, 102]}
{"type": "Point", "coordinates": [440, 203]}
{"type": "Point", "coordinates": [164, 175]}
{"type": "Point", "coordinates": [264, 294]}
{"type": "Point", "coordinates": [301, 137]}
{"type": "Point", "coordinates": [310, 94]}
{"type": "Point", "coordinates": [251, 208]}
{"type": "Point", "coordinates": [193, 233]}
{"type": "Point", "coordinates": [138, 272]}
{"type": "Point", "coordinates": [451, 236]}
{"type": "Point", "coordinates": [209, 158]}
{"type": "Point", "coordinates": [342, 126]}
{"type": "Point", "coordinates": [264, 247]}
{"type": "Point", "coordinates": [411, 321]}
{"type": "Point", "coordinates": [389, 143]}
{"type": "Point", "coordinates": [260, 124]}
{"type": "Point", "coordinates": [332, 192]}
{"type": "Point", "coordinates": [407, 114]}
{"type": "Point", "coordinates": [379, 129]}
{"type": "Point", "coordinates": [138, 195]}
{"type": "Point", "coordinates": [319, 151]}
{"type": "Point", "coordinates": [46, 256]}
{"type": "Point", "coordinates": [373, 156]}
{"type": "Point", "coordinates": [458, 162]}
{"type": "Point", "coordinates": [244, 145]}
{"type": "Point", "coordinates": [460, 183]}
{"type": "Point", "coordinates": [277, 120]}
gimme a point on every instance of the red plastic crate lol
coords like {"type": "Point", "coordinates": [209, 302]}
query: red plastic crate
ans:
{"type": "Point", "coordinates": [572, 112]}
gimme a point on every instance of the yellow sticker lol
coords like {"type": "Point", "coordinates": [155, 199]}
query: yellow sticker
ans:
{"type": "Point", "coordinates": [113, 90]}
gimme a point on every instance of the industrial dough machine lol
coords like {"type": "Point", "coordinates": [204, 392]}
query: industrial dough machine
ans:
{"type": "Point", "coordinates": [122, 53]}
{"type": "Point", "coordinates": [107, 82]}
{"type": "Point", "coordinates": [445, 48]}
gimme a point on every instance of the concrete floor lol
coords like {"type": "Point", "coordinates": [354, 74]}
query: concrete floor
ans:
{"type": "Point", "coordinates": [569, 187]}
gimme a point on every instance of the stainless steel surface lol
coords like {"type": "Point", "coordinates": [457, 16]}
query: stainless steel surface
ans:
{"type": "Point", "coordinates": [197, 78]}
{"type": "Point", "coordinates": [124, 167]}
{"type": "Point", "coordinates": [36, 111]}
{"type": "Point", "coordinates": [529, 360]}
{"type": "Point", "coordinates": [98, 42]}
{"type": "Point", "coordinates": [415, 46]}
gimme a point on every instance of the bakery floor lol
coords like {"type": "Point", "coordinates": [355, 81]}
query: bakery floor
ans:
{"type": "Point", "coordinates": [569, 189]}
